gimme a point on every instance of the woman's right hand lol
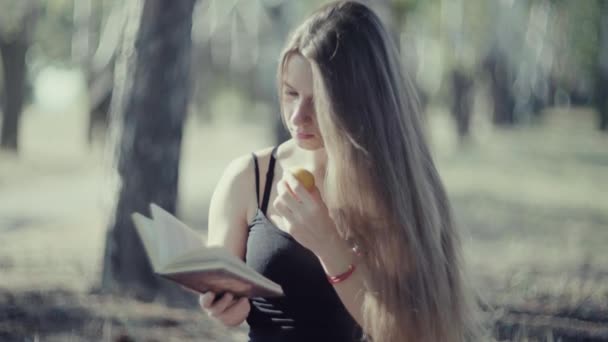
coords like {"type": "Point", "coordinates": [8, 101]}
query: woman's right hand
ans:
{"type": "Point", "coordinates": [229, 310]}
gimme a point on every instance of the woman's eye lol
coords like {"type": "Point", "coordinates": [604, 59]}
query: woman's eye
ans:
{"type": "Point", "coordinates": [291, 93]}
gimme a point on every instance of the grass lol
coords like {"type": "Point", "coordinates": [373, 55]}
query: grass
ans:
{"type": "Point", "coordinates": [532, 197]}
{"type": "Point", "coordinates": [531, 203]}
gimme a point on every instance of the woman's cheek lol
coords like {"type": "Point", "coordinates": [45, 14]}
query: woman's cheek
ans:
{"type": "Point", "coordinates": [287, 111]}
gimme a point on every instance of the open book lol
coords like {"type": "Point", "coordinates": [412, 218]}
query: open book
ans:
{"type": "Point", "coordinates": [178, 253]}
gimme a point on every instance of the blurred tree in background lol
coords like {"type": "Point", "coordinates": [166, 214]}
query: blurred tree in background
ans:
{"type": "Point", "coordinates": [17, 19]}
{"type": "Point", "coordinates": [530, 54]}
{"type": "Point", "coordinates": [601, 84]}
{"type": "Point", "coordinates": [96, 54]}
{"type": "Point", "coordinates": [504, 77]}
{"type": "Point", "coordinates": [151, 104]}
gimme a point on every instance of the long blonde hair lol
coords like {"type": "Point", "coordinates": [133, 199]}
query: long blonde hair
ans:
{"type": "Point", "coordinates": [382, 187]}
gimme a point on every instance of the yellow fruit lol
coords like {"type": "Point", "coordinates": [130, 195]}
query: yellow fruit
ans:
{"type": "Point", "coordinates": [305, 177]}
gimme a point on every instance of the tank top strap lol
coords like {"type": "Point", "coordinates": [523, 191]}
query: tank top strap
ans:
{"type": "Point", "coordinates": [257, 179]}
{"type": "Point", "coordinates": [269, 178]}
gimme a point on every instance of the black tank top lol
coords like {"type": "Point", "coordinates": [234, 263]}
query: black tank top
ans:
{"type": "Point", "coordinates": [311, 309]}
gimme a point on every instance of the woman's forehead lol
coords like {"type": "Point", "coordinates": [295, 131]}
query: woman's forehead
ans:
{"type": "Point", "coordinates": [298, 73]}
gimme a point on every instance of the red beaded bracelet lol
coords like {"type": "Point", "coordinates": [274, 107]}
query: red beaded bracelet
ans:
{"type": "Point", "coordinates": [343, 276]}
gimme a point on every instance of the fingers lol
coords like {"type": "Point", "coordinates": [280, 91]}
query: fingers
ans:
{"type": "Point", "coordinates": [284, 188]}
{"type": "Point", "coordinates": [311, 199]}
{"type": "Point", "coordinates": [236, 313]}
{"type": "Point", "coordinates": [220, 305]}
{"type": "Point", "coordinates": [297, 189]}
{"type": "Point", "coordinates": [227, 309]}
{"type": "Point", "coordinates": [286, 195]}
{"type": "Point", "coordinates": [286, 206]}
{"type": "Point", "coordinates": [206, 299]}
{"type": "Point", "coordinates": [215, 303]}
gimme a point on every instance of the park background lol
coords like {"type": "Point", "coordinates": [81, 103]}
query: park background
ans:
{"type": "Point", "coordinates": [515, 108]}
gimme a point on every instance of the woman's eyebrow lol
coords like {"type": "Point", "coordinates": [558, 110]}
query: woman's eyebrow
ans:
{"type": "Point", "coordinates": [309, 97]}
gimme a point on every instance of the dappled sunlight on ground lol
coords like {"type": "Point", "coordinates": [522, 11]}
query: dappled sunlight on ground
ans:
{"type": "Point", "coordinates": [56, 199]}
{"type": "Point", "coordinates": [530, 202]}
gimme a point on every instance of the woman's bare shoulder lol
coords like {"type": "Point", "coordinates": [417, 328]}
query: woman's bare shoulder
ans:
{"type": "Point", "coordinates": [237, 185]}
{"type": "Point", "coordinates": [240, 171]}
{"type": "Point", "coordinates": [284, 150]}
{"type": "Point", "coordinates": [232, 205]}
{"type": "Point", "coordinates": [263, 153]}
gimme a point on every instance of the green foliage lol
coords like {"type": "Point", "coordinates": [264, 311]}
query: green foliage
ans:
{"type": "Point", "coordinates": [577, 37]}
{"type": "Point", "coordinates": [404, 7]}
{"type": "Point", "coordinates": [52, 39]}
{"type": "Point", "coordinates": [51, 28]}
{"type": "Point", "coordinates": [13, 15]}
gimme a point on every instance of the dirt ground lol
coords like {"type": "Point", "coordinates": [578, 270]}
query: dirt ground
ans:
{"type": "Point", "coordinates": [55, 200]}
{"type": "Point", "coordinates": [531, 202]}
{"type": "Point", "coordinates": [62, 315]}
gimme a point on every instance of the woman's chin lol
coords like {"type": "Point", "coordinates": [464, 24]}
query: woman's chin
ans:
{"type": "Point", "coordinates": [309, 144]}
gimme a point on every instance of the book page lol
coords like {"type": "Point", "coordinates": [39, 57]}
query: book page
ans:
{"type": "Point", "coordinates": [177, 252]}
{"type": "Point", "coordinates": [218, 258]}
{"type": "Point", "coordinates": [174, 237]}
{"type": "Point", "coordinates": [148, 233]}
{"type": "Point", "coordinates": [198, 256]}
{"type": "Point", "coordinates": [218, 280]}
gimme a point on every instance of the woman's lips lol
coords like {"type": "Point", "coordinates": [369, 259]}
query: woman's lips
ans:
{"type": "Point", "coordinates": [304, 135]}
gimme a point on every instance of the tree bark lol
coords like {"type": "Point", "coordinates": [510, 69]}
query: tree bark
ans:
{"type": "Point", "coordinates": [100, 70]}
{"type": "Point", "coordinates": [502, 94]}
{"type": "Point", "coordinates": [81, 36]}
{"type": "Point", "coordinates": [155, 99]}
{"type": "Point", "coordinates": [602, 101]}
{"type": "Point", "coordinates": [13, 62]}
{"type": "Point", "coordinates": [462, 102]}
{"type": "Point", "coordinates": [601, 92]}
{"type": "Point", "coordinates": [268, 88]}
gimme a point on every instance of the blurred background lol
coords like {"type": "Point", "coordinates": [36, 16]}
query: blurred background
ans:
{"type": "Point", "coordinates": [107, 105]}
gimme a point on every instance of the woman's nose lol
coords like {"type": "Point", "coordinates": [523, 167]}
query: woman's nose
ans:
{"type": "Point", "coordinates": [301, 113]}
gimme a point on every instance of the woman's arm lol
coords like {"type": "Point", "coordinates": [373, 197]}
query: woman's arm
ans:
{"type": "Point", "coordinates": [227, 222]}
{"type": "Point", "coordinates": [307, 219]}
{"type": "Point", "coordinates": [336, 258]}
{"type": "Point", "coordinates": [227, 227]}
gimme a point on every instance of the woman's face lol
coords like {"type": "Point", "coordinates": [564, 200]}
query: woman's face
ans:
{"type": "Point", "coordinates": [298, 103]}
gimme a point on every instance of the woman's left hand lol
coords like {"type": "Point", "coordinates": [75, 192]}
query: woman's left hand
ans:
{"type": "Point", "coordinates": [305, 215]}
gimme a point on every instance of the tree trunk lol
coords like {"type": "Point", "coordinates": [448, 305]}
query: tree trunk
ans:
{"type": "Point", "coordinates": [81, 36]}
{"type": "Point", "coordinates": [155, 104]}
{"type": "Point", "coordinates": [601, 92]}
{"type": "Point", "coordinates": [14, 67]}
{"type": "Point", "coordinates": [100, 70]}
{"type": "Point", "coordinates": [502, 94]}
{"type": "Point", "coordinates": [268, 88]}
{"type": "Point", "coordinates": [462, 102]}
{"type": "Point", "coordinates": [602, 101]}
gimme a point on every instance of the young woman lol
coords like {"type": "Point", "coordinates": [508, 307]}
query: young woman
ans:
{"type": "Point", "coordinates": [355, 125]}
